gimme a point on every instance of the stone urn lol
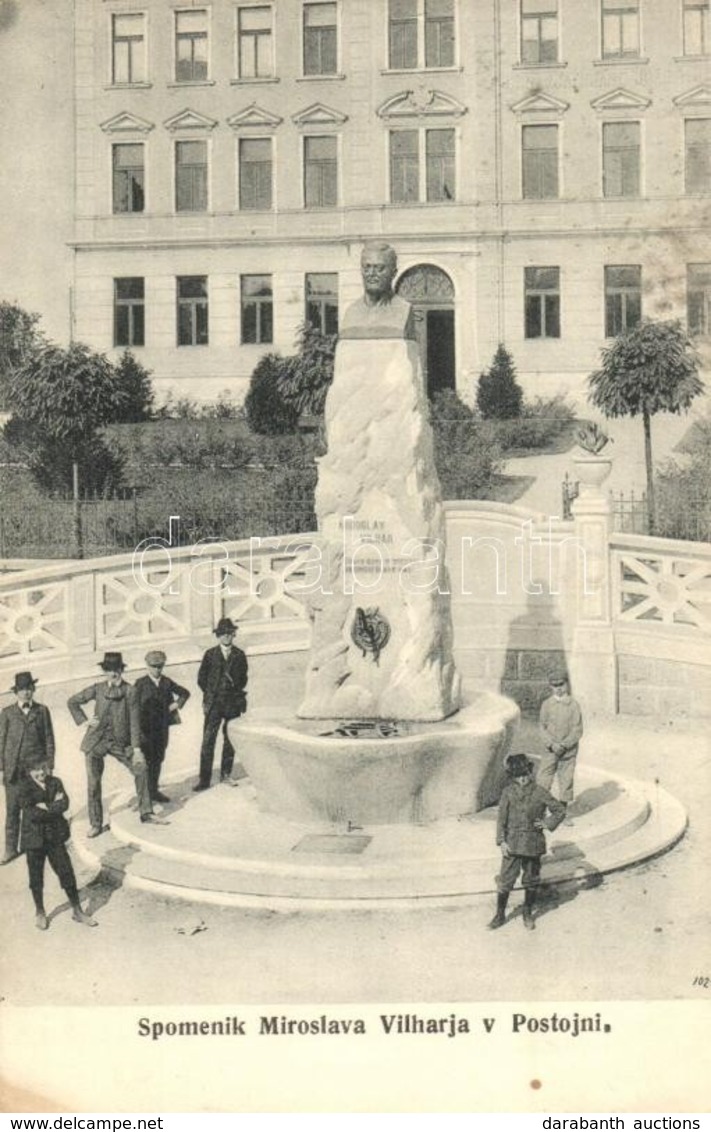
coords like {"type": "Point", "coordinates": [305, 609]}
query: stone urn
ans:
{"type": "Point", "coordinates": [591, 467]}
{"type": "Point", "coordinates": [591, 471]}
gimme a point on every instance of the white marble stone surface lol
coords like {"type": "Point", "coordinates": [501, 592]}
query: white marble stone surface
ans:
{"type": "Point", "coordinates": [381, 521]}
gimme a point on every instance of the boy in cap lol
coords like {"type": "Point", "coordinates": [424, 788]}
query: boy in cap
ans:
{"type": "Point", "coordinates": [519, 832]}
{"type": "Point", "coordinates": [114, 730]}
{"type": "Point", "coordinates": [222, 678]}
{"type": "Point", "coordinates": [159, 700]}
{"type": "Point", "coordinates": [44, 833]}
{"type": "Point", "coordinates": [26, 739]}
{"type": "Point", "coordinates": [561, 723]}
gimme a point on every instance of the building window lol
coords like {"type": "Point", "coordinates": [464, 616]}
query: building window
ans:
{"type": "Point", "coordinates": [191, 176]}
{"type": "Point", "coordinates": [320, 172]}
{"type": "Point", "coordinates": [540, 162]}
{"type": "Point", "coordinates": [322, 302]}
{"type": "Point", "coordinates": [623, 299]}
{"type": "Point", "coordinates": [539, 31]}
{"type": "Point", "coordinates": [406, 166]}
{"type": "Point", "coordinates": [128, 177]}
{"type": "Point", "coordinates": [698, 155]}
{"type": "Point", "coordinates": [128, 48]}
{"type": "Point", "coordinates": [320, 39]}
{"type": "Point", "coordinates": [257, 309]}
{"type": "Point", "coordinates": [620, 28]}
{"type": "Point", "coordinates": [255, 59]}
{"type": "Point", "coordinates": [620, 159]}
{"type": "Point", "coordinates": [697, 27]}
{"type": "Point", "coordinates": [542, 302]}
{"type": "Point", "coordinates": [191, 46]}
{"type": "Point", "coordinates": [698, 298]}
{"type": "Point", "coordinates": [192, 310]}
{"type": "Point", "coordinates": [255, 173]}
{"type": "Point", "coordinates": [420, 34]}
{"type": "Point", "coordinates": [129, 312]}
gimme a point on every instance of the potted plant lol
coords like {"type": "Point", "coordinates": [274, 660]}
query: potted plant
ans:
{"type": "Point", "coordinates": [592, 468]}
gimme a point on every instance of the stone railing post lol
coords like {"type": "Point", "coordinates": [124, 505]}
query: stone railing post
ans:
{"type": "Point", "coordinates": [592, 663]}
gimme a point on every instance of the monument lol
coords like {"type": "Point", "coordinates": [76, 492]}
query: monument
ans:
{"type": "Point", "coordinates": [383, 734]}
{"type": "Point", "coordinates": [382, 630]}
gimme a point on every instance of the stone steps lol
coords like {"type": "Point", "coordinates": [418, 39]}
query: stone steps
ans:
{"type": "Point", "coordinates": [221, 849]}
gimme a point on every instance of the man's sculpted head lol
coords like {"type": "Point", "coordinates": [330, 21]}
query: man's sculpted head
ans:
{"type": "Point", "coordinates": [378, 263]}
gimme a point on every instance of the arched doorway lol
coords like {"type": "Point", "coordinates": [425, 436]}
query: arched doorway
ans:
{"type": "Point", "coordinates": [431, 292]}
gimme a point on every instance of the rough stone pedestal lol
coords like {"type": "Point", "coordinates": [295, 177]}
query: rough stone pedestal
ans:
{"type": "Point", "coordinates": [382, 632]}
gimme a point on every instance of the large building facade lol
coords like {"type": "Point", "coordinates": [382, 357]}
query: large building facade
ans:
{"type": "Point", "coordinates": [543, 168]}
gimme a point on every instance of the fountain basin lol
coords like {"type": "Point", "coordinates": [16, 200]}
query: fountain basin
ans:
{"type": "Point", "coordinates": [428, 771]}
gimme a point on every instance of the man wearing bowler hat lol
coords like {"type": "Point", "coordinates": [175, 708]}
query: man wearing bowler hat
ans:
{"type": "Point", "coordinates": [159, 701]}
{"type": "Point", "coordinates": [222, 678]}
{"type": "Point", "coordinates": [114, 730]}
{"type": "Point", "coordinates": [26, 740]}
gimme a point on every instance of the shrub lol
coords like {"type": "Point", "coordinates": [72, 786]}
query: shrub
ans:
{"type": "Point", "coordinates": [683, 490]}
{"type": "Point", "coordinates": [19, 341]}
{"type": "Point", "coordinates": [467, 456]}
{"type": "Point", "coordinates": [499, 396]}
{"type": "Point", "coordinates": [177, 408]}
{"type": "Point", "coordinates": [543, 422]}
{"type": "Point", "coordinates": [307, 376]}
{"type": "Point", "coordinates": [136, 387]}
{"type": "Point", "coordinates": [265, 406]}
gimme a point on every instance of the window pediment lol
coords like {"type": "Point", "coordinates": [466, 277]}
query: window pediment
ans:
{"type": "Point", "coordinates": [422, 103]}
{"type": "Point", "coordinates": [699, 96]}
{"type": "Point", "coordinates": [254, 115]}
{"type": "Point", "coordinates": [189, 120]}
{"type": "Point", "coordinates": [620, 99]}
{"type": "Point", "coordinates": [126, 123]}
{"type": "Point", "coordinates": [318, 114]}
{"type": "Point", "coordinates": [541, 103]}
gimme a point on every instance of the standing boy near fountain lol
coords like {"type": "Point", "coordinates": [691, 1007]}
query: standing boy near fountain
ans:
{"type": "Point", "coordinates": [562, 727]}
{"type": "Point", "coordinates": [519, 832]}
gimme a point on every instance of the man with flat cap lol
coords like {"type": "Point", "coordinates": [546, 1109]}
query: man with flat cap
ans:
{"type": "Point", "coordinates": [159, 701]}
{"type": "Point", "coordinates": [222, 678]}
{"type": "Point", "coordinates": [114, 730]}
{"type": "Point", "coordinates": [26, 740]}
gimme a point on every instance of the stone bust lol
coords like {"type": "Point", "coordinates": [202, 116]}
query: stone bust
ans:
{"type": "Point", "coordinates": [380, 313]}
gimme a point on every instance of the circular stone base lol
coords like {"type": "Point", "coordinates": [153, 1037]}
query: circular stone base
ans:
{"type": "Point", "coordinates": [221, 849]}
{"type": "Point", "coordinates": [304, 771]}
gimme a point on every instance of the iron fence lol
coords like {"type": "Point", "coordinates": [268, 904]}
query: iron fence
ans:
{"type": "Point", "coordinates": [685, 517]}
{"type": "Point", "coordinates": [256, 504]}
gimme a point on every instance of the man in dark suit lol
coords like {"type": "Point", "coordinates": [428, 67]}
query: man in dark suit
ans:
{"type": "Point", "coordinates": [159, 700]}
{"type": "Point", "coordinates": [114, 730]}
{"type": "Point", "coordinates": [44, 833]}
{"type": "Point", "coordinates": [26, 739]}
{"type": "Point", "coordinates": [222, 678]}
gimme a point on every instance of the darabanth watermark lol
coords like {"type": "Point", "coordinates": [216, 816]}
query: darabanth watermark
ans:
{"type": "Point", "coordinates": [367, 561]}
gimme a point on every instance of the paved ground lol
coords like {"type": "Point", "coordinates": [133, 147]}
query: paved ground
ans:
{"type": "Point", "coordinates": [626, 452]}
{"type": "Point", "coordinates": [642, 933]}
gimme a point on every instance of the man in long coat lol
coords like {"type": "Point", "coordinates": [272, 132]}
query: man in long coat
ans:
{"type": "Point", "coordinates": [159, 700]}
{"type": "Point", "coordinates": [26, 740]}
{"type": "Point", "coordinates": [222, 678]}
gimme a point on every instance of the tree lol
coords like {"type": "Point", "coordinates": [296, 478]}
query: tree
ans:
{"type": "Point", "coordinates": [136, 387]}
{"type": "Point", "coordinates": [19, 340]}
{"type": "Point", "coordinates": [265, 406]}
{"type": "Point", "coordinates": [307, 377]}
{"type": "Point", "coordinates": [498, 394]}
{"type": "Point", "coordinates": [60, 398]}
{"type": "Point", "coordinates": [653, 368]}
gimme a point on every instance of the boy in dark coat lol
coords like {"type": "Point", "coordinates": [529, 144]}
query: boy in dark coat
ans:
{"type": "Point", "coordinates": [44, 833]}
{"type": "Point", "coordinates": [159, 700]}
{"type": "Point", "coordinates": [26, 739]}
{"type": "Point", "coordinates": [519, 832]}
{"type": "Point", "coordinates": [222, 678]}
